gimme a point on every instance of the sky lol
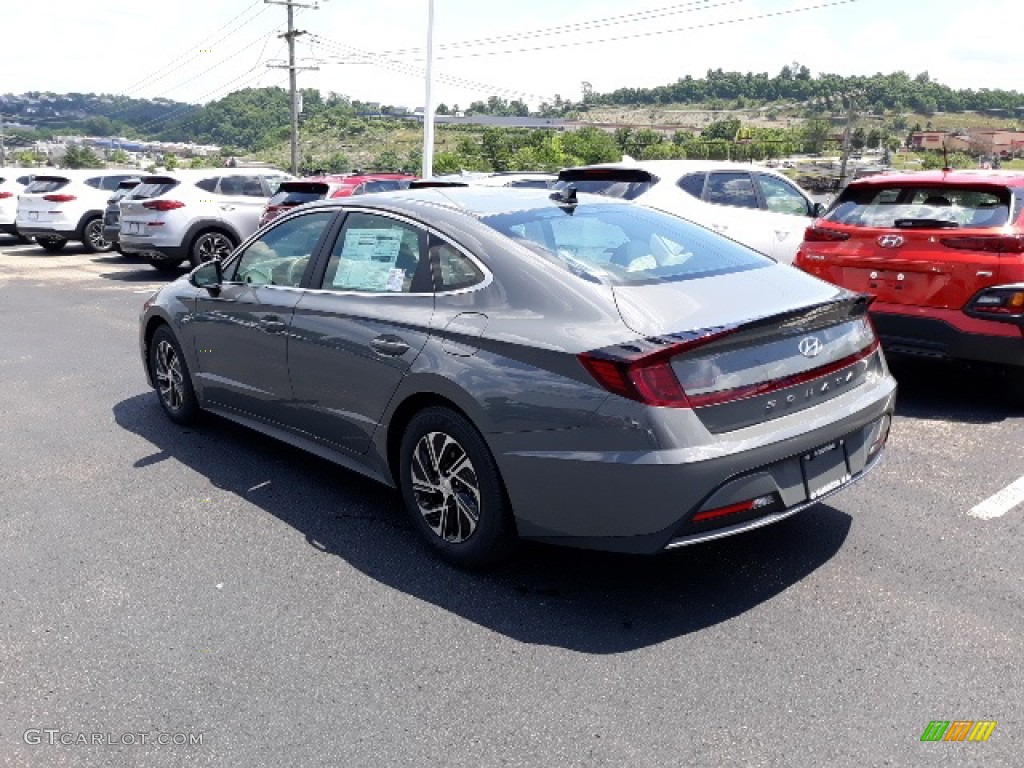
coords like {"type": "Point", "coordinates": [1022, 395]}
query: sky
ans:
{"type": "Point", "coordinates": [533, 50]}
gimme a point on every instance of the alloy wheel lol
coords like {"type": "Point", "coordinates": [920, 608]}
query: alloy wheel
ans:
{"type": "Point", "coordinates": [94, 236]}
{"type": "Point", "coordinates": [169, 379]}
{"type": "Point", "coordinates": [445, 487]}
{"type": "Point", "coordinates": [212, 246]}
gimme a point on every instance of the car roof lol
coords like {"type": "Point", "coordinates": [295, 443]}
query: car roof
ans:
{"type": "Point", "coordinates": [474, 201]}
{"type": "Point", "coordinates": [679, 167]}
{"type": "Point", "coordinates": [969, 176]}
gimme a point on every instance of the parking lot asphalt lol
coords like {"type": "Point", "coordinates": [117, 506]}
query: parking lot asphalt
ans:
{"type": "Point", "coordinates": [209, 584]}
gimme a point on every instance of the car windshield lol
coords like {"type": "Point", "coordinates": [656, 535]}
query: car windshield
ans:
{"type": "Point", "coordinates": [625, 244]}
{"type": "Point", "coordinates": [911, 205]}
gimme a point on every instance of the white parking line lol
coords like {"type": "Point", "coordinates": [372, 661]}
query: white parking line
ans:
{"type": "Point", "coordinates": [1001, 503]}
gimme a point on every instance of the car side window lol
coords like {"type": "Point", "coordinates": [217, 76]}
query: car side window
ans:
{"type": "Point", "coordinates": [251, 186]}
{"type": "Point", "coordinates": [377, 254]}
{"type": "Point", "coordinates": [95, 183]}
{"type": "Point", "coordinates": [230, 185]}
{"type": "Point", "coordinates": [693, 184]}
{"type": "Point", "coordinates": [731, 188]}
{"type": "Point", "coordinates": [281, 255]}
{"type": "Point", "coordinates": [208, 185]}
{"type": "Point", "coordinates": [782, 197]}
{"type": "Point", "coordinates": [453, 268]}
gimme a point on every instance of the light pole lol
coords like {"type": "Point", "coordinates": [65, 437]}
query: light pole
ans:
{"type": "Point", "coordinates": [428, 106]}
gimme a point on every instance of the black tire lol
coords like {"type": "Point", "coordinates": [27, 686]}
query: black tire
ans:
{"type": "Point", "coordinates": [442, 503]}
{"type": "Point", "coordinates": [209, 245]}
{"type": "Point", "coordinates": [52, 244]}
{"type": "Point", "coordinates": [92, 236]}
{"type": "Point", "coordinates": [166, 266]}
{"type": "Point", "coordinates": [1015, 385]}
{"type": "Point", "coordinates": [117, 247]}
{"type": "Point", "coordinates": [171, 376]}
{"type": "Point", "coordinates": [23, 239]}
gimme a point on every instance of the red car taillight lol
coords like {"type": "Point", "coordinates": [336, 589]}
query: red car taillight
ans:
{"type": "Point", "coordinates": [59, 198]}
{"type": "Point", "coordinates": [1000, 301]}
{"type": "Point", "coordinates": [5, 195]}
{"type": "Point", "coordinates": [162, 205]}
{"type": "Point", "coordinates": [824, 235]}
{"type": "Point", "coordinates": [986, 243]}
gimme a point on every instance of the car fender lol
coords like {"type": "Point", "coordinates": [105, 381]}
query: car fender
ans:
{"type": "Point", "coordinates": [209, 222]}
{"type": "Point", "coordinates": [90, 214]}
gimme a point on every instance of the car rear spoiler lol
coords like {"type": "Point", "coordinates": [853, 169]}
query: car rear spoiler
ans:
{"type": "Point", "coordinates": [631, 175]}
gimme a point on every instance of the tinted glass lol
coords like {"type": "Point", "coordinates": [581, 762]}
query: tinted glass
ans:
{"type": "Point", "coordinates": [383, 185]}
{"type": "Point", "coordinates": [376, 254]}
{"type": "Point", "coordinates": [782, 197]}
{"type": "Point", "coordinates": [208, 185]}
{"type": "Point", "coordinates": [454, 268]}
{"type": "Point", "coordinates": [151, 189]}
{"type": "Point", "coordinates": [626, 190]}
{"type": "Point", "coordinates": [281, 255]}
{"type": "Point", "coordinates": [95, 183]}
{"type": "Point", "coordinates": [111, 182]}
{"type": "Point", "coordinates": [625, 244]}
{"type": "Point", "coordinates": [912, 205]}
{"type": "Point", "coordinates": [251, 186]}
{"type": "Point", "coordinates": [735, 189]}
{"type": "Point", "coordinates": [24, 180]}
{"type": "Point", "coordinates": [44, 185]}
{"type": "Point", "coordinates": [693, 184]}
{"type": "Point", "coordinates": [306, 194]}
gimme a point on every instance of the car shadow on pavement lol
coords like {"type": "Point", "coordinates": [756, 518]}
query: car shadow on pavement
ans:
{"type": "Point", "coordinates": [590, 602]}
{"type": "Point", "coordinates": [952, 392]}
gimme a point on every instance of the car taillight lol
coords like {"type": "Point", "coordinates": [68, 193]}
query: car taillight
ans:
{"type": "Point", "coordinates": [986, 243]}
{"type": "Point", "coordinates": [824, 235]}
{"type": "Point", "coordinates": [1000, 301]}
{"type": "Point", "coordinates": [59, 198]}
{"type": "Point", "coordinates": [163, 205]}
{"type": "Point", "coordinates": [5, 195]}
{"type": "Point", "coordinates": [647, 378]}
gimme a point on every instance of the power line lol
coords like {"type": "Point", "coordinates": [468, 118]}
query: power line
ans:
{"type": "Point", "coordinates": [628, 18]}
{"type": "Point", "coordinates": [652, 33]}
{"type": "Point", "coordinates": [412, 70]}
{"type": "Point", "coordinates": [166, 68]}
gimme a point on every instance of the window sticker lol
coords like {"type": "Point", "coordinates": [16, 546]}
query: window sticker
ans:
{"type": "Point", "coordinates": [368, 259]}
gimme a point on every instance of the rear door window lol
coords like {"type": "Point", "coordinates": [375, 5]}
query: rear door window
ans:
{"type": "Point", "coordinates": [693, 184]}
{"type": "Point", "coordinates": [733, 189]}
{"type": "Point", "coordinates": [208, 185]}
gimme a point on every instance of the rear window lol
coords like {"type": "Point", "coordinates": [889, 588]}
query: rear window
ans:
{"type": "Point", "coordinates": [624, 183]}
{"type": "Point", "coordinates": [911, 205]}
{"type": "Point", "coordinates": [292, 193]}
{"type": "Point", "coordinates": [381, 185]}
{"type": "Point", "coordinates": [44, 184]}
{"type": "Point", "coordinates": [153, 186]}
{"type": "Point", "coordinates": [625, 245]}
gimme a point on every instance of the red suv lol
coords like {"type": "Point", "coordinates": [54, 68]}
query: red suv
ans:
{"type": "Point", "coordinates": [943, 254]}
{"type": "Point", "coordinates": [292, 193]}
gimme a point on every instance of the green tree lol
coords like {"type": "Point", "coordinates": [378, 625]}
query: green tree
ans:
{"type": "Point", "coordinates": [118, 157]}
{"type": "Point", "coordinates": [80, 157]}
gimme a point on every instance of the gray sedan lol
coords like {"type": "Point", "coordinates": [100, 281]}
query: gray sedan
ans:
{"type": "Point", "coordinates": [521, 364]}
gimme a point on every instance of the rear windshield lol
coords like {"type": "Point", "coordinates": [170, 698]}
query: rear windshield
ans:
{"type": "Point", "coordinates": [621, 188]}
{"type": "Point", "coordinates": [296, 194]}
{"type": "Point", "coordinates": [911, 205]}
{"type": "Point", "coordinates": [381, 185]}
{"type": "Point", "coordinates": [625, 244]}
{"type": "Point", "coordinates": [152, 186]}
{"type": "Point", "coordinates": [44, 184]}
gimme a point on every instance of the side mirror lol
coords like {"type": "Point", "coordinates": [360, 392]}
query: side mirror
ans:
{"type": "Point", "coordinates": [818, 210]}
{"type": "Point", "coordinates": [209, 276]}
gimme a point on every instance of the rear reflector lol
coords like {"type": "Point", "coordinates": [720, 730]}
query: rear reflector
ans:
{"type": "Point", "coordinates": [162, 205]}
{"type": "Point", "coordinates": [986, 243]}
{"type": "Point", "coordinates": [744, 506]}
{"type": "Point", "coordinates": [59, 198]}
{"type": "Point", "coordinates": [823, 235]}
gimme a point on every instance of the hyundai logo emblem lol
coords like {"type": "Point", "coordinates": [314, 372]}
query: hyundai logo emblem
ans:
{"type": "Point", "coordinates": [890, 241]}
{"type": "Point", "coordinates": [811, 346]}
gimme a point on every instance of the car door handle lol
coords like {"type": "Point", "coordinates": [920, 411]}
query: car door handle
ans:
{"type": "Point", "coordinates": [227, 207]}
{"type": "Point", "coordinates": [273, 324]}
{"type": "Point", "coordinates": [389, 346]}
{"type": "Point", "coordinates": [782, 234]}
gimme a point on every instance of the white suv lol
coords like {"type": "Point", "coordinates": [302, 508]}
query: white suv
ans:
{"type": "Point", "coordinates": [194, 214]}
{"type": "Point", "coordinates": [58, 206]}
{"type": "Point", "coordinates": [753, 205]}
{"type": "Point", "coordinates": [12, 183]}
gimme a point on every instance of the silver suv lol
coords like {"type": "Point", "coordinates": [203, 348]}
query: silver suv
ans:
{"type": "Point", "coordinates": [194, 215]}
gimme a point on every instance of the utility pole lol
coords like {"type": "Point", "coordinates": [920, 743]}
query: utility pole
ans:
{"type": "Point", "coordinates": [851, 115]}
{"type": "Point", "coordinates": [290, 36]}
{"type": "Point", "coordinates": [3, 152]}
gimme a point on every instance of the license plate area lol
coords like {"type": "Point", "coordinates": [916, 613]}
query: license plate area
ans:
{"type": "Point", "coordinates": [33, 215]}
{"type": "Point", "coordinates": [133, 228]}
{"type": "Point", "coordinates": [825, 469]}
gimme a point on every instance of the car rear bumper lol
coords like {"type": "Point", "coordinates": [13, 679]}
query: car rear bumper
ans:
{"type": "Point", "coordinates": [947, 334]}
{"type": "Point", "coordinates": [30, 231]}
{"type": "Point", "coordinates": [646, 502]}
{"type": "Point", "coordinates": [151, 251]}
